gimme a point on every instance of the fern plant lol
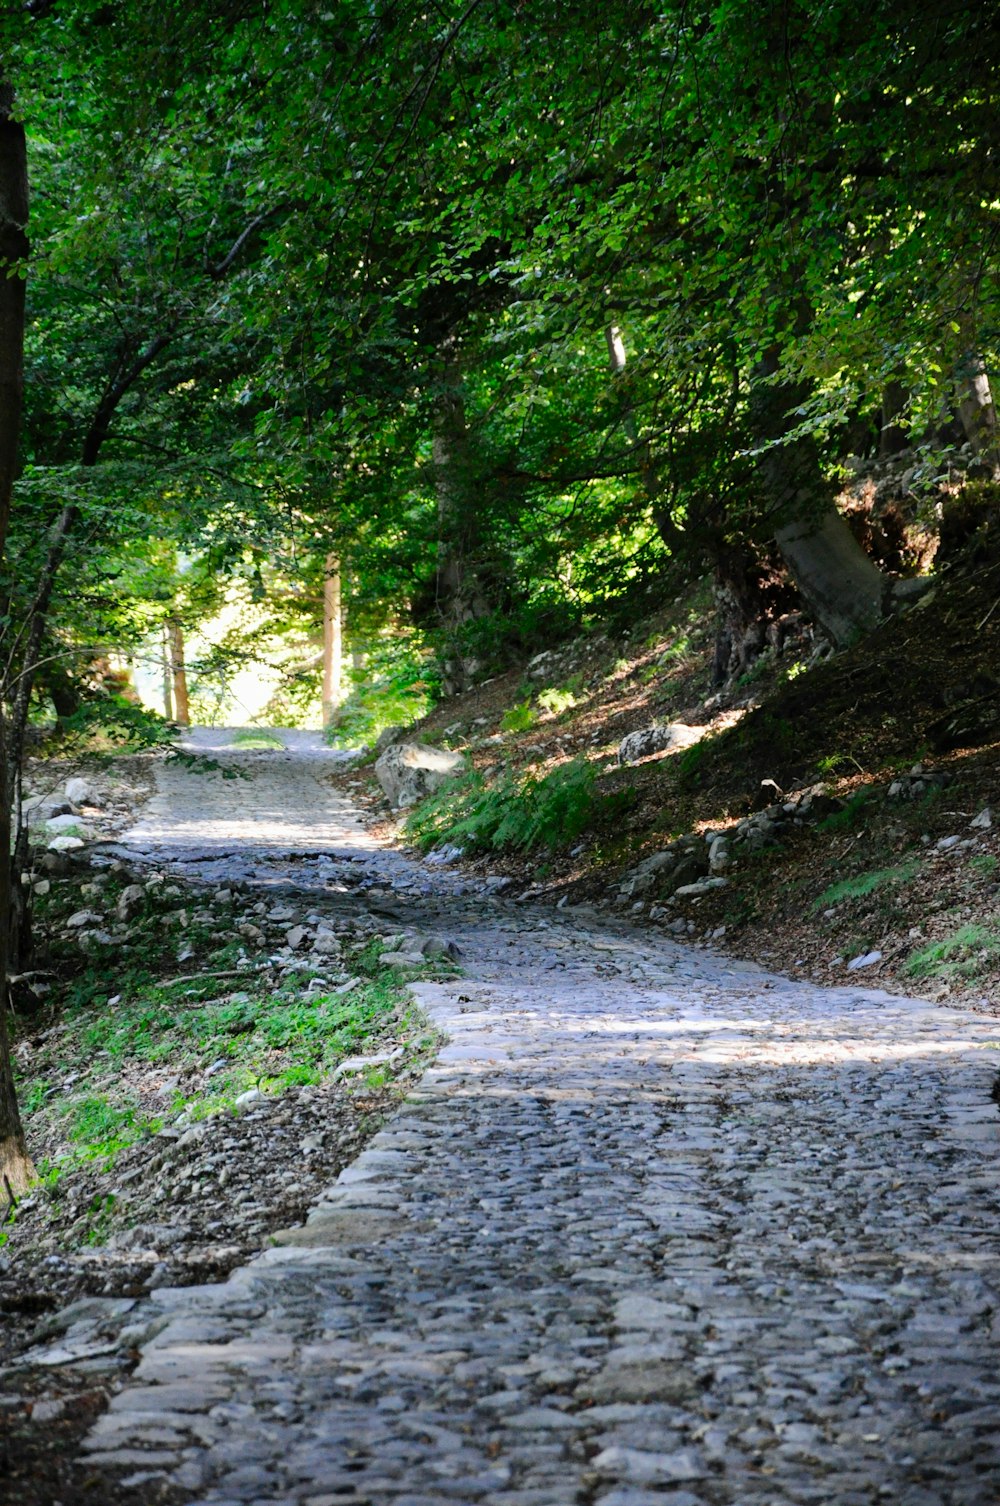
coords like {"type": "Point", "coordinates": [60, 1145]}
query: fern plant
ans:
{"type": "Point", "coordinates": [548, 810]}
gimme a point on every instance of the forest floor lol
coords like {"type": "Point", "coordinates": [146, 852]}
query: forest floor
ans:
{"type": "Point", "coordinates": [902, 872]}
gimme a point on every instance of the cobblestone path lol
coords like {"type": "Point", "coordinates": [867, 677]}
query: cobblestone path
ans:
{"type": "Point", "coordinates": [657, 1229]}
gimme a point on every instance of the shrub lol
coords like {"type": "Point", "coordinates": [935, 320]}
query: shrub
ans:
{"type": "Point", "coordinates": [114, 722]}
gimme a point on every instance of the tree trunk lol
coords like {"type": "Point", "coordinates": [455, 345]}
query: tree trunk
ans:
{"type": "Point", "coordinates": [976, 408]}
{"type": "Point", "coordinates": [892, 436]}
{"type": "Point", "coordinates": [16, 1169]}
{"type": "Point", "coordinates": [178, 672]}
{"type": "Point", "coordinates": [333, 643]}
{"type": "Point", "coordinates": [461, 594]}
{"type": "Point", "coordinates": [840, 585]}
{"type": "Point", "coordinates": [168, 681]}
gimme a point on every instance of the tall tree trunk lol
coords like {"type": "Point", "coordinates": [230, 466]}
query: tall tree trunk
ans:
{"type": "Point", "coordinates": [168, 679]}
{"type": "Point", "coordinates": [977, 409]}
{"type": "Point", "coordinates": [333, 643]}
{"type": "Point", "coordinates": [178, 672]}
{"type": "Point", "coordinates": [16, 1169]}
{"type": "Point", "coordinates": [843, 589]}
{"type": "Point", "coordinates": [461, 594]}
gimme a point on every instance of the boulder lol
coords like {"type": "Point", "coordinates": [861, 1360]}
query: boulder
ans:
{"type": "Point", "coordinates": [38, 808]}
{"type": "Point", "coordinates": [410, 771]}
{"type": "Point", "coordinates": [68, 823]}
{"type": "Point", "coordinates": [80, 791]}
{"type": "Point", "coordinates": [131, 900]}
{"type": "Point", "coordinates": [650, 740]}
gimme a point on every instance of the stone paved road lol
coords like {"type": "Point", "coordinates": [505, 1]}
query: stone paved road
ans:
{"type": "Point", "coordinates": [657, 1228]}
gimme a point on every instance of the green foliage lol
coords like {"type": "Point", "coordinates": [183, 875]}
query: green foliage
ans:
{"type": "Point", "coordinates": [985, 863]}
{"type": "Point", "coordinates": [548, 811]}
{"type": "Point", "coordinates": [520, 717]}
{"type": "Point", "coordinates": [113, 723]}
{"type": "Point", "coordinates": [864, 884]}
{"type": "Point", "coordinates": [691, 762]}
{"type": "Point", "coordinates": [853, 814]}
{"type": "Point", "coordinates": [557, 700]}
{"type": "Point", "coordinates": [256, 738]}
{"type": "Point", "coordinates": [397, 684]}
{"type": "Point", "coordinates": [961, 956]}
{"type": "Point", "coordinates": [203, 763]}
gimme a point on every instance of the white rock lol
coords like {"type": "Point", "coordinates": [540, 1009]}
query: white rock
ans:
{"type": "Point", "coordinates": [67, 823]}
{"type": "Point", "coordinates": [80, 791]}
{"type": "Point", "coordinates": [252, 1095]}
{"type": "Point", "coordinates": [296, 936]}
{"type": "Point", "coordinates": [984, 820]}
{"type": "Point", "coordinates": [703, 886]}
{"type": "Point", "coordinates": [326, 945]}
{"type": "Point", "coordinates": [867, 959]}
{"type": "Point", "coordinates": [131, 899]}
{"type": "Point", "coordinates": [649, 740]}
{"type": "Point", "coordinates": [83, 918]}
{"type": "Point", "coordinates": [408, 772]}
{"type": "Point", "coordinates": [642, 1468]}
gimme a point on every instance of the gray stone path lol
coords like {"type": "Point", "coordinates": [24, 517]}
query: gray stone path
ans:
{"type": "Point", "coordinates": [656, 1228]}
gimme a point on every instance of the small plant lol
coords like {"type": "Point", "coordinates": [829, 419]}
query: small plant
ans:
{"type": "Point", "coordinates": [520, 717]}
{"type": "Point", "coordinates": [864, 884]}
{"type": "Point", "coordinates": [853, 813]}
{"type": "Point", "coordinates": [984, 863]}
{"type": "Point", "coordinates": [836, 763]}
{"type": "Point", "coordinates": [556, 700]}
{"type": "Point", "coordinates": [961, 955]}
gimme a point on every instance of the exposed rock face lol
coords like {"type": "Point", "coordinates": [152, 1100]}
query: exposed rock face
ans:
{"type": "Point", "coordinates": [410, 771]}
{"type": "Point", "coordinates": [650, 740]}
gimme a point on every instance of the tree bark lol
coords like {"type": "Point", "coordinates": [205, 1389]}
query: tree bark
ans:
{"type": "Point", "coordinates": [178, 672]}
{"type": "Point", "coordinates": [168, 682]}
{"type": "Point", "coordinates": [843, 589]}
{"type": "Point", "coordinates": [333, 643]}
{"type": "Point", "coordinates": [16, 1168]}
{"type": "Point", "coordinates": [977, 409]}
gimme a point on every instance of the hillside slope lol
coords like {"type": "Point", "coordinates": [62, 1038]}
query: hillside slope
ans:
{"type": "Point", "coordinates": [901, 732]}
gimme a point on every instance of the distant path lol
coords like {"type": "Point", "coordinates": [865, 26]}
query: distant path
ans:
{"type": "Point", "coordinates": [657, 1228]}
{"type": "Point", "coordinates": [271, 799]}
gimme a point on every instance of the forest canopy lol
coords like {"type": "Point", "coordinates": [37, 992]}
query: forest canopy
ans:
{"type": "Point", "coordinates": [513, 309]}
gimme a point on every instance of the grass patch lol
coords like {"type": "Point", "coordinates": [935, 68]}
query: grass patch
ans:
{"type": "Point", "coordinates": [864, 884]}
{"type": "Point", "coordinates": [254, 737]}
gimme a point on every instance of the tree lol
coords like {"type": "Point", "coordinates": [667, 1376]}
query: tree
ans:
{"type": "Point", "coordinates": [16, 1169]}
